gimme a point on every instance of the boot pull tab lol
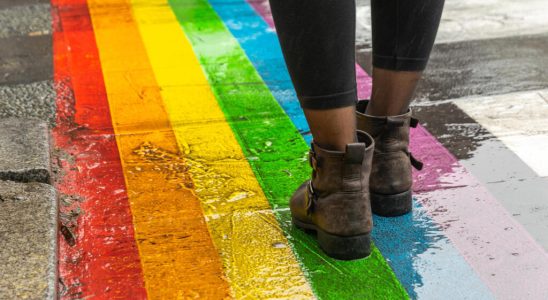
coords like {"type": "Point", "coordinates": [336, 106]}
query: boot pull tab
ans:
{"type": "Point", "coordinates": [352, 170]}
{"type": "Point", "coordinates": [415, 162]}
{"type": "Point", "coordinates": [414, 122]}
{"type": "Point", "coordinates": [354, 153]}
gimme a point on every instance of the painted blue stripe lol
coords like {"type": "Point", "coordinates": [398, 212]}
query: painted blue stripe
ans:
{"type": "Point", "coordinates": [422, 257]}
{"type": "Point", "coordinates": [251, 32]}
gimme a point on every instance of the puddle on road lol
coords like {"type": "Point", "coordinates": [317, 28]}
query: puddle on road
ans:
{"type": "Point", "coordinates": [245, 231]}
{"type": "Point", "coordinates": [212, 187]}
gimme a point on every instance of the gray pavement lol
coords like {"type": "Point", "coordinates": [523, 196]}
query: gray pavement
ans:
{"type": "Point", "coordinates": [14, 3]}
{"type": "Point", "coordinates": [480, 67]}
{"type": "Point", "coordinates": [29, 20]}
{"type": "Point", "coordinates": [25, 59]}
{"type": "Point", "coordinates": [28, 203]}
{"type": "Point", "coordinates": [28, 212]}
{"type": "Point", "coordinates": [24, 150]}
{"type": "Point", "coordinates": [35, 100]}
{"type": "Point", "coordinates": [28, 235]}
{"type": "Point", "coordinates": [486, 67]}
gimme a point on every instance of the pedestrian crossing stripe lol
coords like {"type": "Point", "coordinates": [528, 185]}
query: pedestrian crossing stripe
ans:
{"type": "Point", "coordinates": [179, 172]}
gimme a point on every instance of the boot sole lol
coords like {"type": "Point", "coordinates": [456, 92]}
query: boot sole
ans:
{"type": "Point", "coordinates": [391, 205]}
{"type": "Point", "coordinates": [339, 247]}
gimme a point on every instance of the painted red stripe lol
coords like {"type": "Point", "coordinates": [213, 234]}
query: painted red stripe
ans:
{"type": "Point", "coordinates": [104, 262]}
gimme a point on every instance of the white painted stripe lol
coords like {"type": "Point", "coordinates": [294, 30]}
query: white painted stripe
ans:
{"type": "Point", "coordinates": [532, 149]}
{"type": "Point", "coordinates": [519, 120]}
{"type": "Point", "coordinates": [464, 20]}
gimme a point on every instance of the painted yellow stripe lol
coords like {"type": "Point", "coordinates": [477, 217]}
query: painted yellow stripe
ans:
{"type": "Point", "coordinates": [256, 255]}
{"type": "Point", "coordinates": [178, 256]}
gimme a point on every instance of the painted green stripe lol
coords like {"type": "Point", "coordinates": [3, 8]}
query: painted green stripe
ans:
{"type": "Point", "coordinates": [276, 152]}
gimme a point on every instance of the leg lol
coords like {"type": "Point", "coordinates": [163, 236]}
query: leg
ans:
{"type": "Point", "coordinates": [317, 39]}
{"type": "Point", "coordinates": [392, 91]}
{"type": "Point", "coordinates": [403, 36]}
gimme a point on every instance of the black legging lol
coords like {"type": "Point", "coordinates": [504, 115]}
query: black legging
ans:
{"type": "Point", "coordinates": [318, 41]}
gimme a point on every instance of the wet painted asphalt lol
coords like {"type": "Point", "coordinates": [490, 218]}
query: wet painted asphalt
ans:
{"type": "Point", "coordinates": [192, 166]}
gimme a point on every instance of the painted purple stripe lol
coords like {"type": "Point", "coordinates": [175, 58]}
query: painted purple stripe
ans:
{"type": "Point", "coordinates": [499, 249]}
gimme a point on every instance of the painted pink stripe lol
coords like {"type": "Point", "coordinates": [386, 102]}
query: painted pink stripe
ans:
{"type": "Point", "coordinates": [499, 249]}
{"type": "Point", "coordinates": [263, 8]}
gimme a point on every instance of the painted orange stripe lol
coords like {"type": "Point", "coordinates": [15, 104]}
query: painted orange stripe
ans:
{"type": "Point", "coordinates": [178, 257]}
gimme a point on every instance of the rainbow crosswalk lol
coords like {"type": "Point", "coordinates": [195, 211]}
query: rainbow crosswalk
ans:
{"type": "Point", "coordinates": [189, 102]}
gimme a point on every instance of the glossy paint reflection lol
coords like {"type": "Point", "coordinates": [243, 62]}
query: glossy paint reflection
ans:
{"type": "Point", "coordinates": [178, 257]}
{"type": "Point", "coordinates": [211, 142]}
{"type": "Point", "coordinates": [275, 150]}
{"type": "Point", "coordinates": [257, 259]}
{"type": "Point", "coordinates": [423, 257]}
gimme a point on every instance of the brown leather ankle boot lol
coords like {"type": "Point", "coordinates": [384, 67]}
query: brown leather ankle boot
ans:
{"type": "Point", "coordinates": [391, 180]}
{"type": "Point", "coordinates": [335, 202]}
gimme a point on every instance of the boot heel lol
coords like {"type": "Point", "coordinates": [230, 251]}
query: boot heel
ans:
{"type": "Point", "coordinates": [391, 205]}
{"type": "Point", "coordinates": [345, 248]}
